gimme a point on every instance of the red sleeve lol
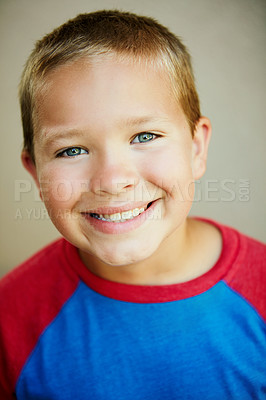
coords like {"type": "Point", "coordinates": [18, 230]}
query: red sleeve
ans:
{"type": "Point", "coordinates": [248, 277]}
{"type": "Point", "coordinates": [30, 298]}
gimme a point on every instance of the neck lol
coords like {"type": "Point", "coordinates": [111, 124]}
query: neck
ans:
{"type": "Point", "coordinates": [186, 254]}
{"type": "Point", "coordinates": [165, 266]}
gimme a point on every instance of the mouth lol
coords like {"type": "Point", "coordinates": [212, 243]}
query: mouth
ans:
{"type": "Point", "coordinates": [121, 220]}
{"type": "Point", "coordinates": [120, 217]}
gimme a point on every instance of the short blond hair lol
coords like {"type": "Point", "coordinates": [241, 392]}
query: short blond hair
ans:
{"type": "Point", "coordinates": [108, 32]}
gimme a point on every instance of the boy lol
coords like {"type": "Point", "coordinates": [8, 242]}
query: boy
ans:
{"type": "Point", "coordinates": [137, 301]}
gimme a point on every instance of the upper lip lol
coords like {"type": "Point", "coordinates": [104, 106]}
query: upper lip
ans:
{"type": "Point", "coordinates": [109, 210]}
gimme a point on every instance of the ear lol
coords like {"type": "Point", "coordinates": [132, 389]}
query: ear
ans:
{"type": "Point", "coordinates": [201, 140]}
{"type": "Point", "coordinates": [30, 166]}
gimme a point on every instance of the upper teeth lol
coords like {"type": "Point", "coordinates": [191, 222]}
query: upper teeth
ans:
{"type": "Point", "coordinates": [120, 217]}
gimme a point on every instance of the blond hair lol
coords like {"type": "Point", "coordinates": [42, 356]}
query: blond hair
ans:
{"type": "Point", "coordinates": [108, 32]}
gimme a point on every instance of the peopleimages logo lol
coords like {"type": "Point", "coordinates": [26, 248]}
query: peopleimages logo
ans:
{"type": "Point", "coordinates": [223, 190]}
{"type": "Point", "coordinates": [209, 190]}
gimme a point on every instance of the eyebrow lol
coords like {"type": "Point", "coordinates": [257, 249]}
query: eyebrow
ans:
{"type": "Point", "coordinates": [136, 121]}
{"type": "Point", "coordinates": [55, 134]}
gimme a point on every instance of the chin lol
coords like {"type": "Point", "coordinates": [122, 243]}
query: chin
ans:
{"type": "Point", "coordinates": [118, 260]}
{"type": "Point", "coordinates": [124, 257]}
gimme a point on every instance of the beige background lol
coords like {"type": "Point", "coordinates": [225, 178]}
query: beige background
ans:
{"type": "Point", "coordinates": [227, 41]}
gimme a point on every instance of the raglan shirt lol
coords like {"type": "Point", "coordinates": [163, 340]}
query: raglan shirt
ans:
{"type": "Point", "coordinates": [68, 334]}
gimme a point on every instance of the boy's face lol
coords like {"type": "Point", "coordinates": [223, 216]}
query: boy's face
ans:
{"type": "Point", "coordinates": [111, 143]}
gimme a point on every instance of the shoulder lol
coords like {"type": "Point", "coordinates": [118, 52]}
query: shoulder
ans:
{"type": "Point", "coordinates": [250, 254]}
{"type": "Point", "coordinates": [40, 257]}
{"type": "Point", "coordinates": [30, 298]}
{"type": "Point", "coordinates": [36, 272]}
{"type": "Point", "coordinates": [42, 279]}
{"type": "Point", "coordinates": [242, 266]}
{"type": "Point", "coordinates": [247, 275]}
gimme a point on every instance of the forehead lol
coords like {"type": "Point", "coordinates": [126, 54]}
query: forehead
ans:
{"type": "Point", "coordinates": [110, 91]}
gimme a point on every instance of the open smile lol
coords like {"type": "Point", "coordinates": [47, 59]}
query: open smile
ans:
{"type": "Point", "coordinates": [122, 216]}
{"type": "Point", "coordinates": [120, 221]}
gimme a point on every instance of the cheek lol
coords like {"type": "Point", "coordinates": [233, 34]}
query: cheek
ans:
{"type": "Point", "coordinates": [171, 171]}
{"type": "Point", "coordinates": [60, 187]}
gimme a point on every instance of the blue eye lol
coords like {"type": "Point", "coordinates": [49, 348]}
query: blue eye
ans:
{"type": "Point", "coordinates": [144, 137]}
{"type": "Point", "coordinates": [72, 152]}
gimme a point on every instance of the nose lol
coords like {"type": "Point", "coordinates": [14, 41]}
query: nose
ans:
{"type": "Point", "coordinates": [113, 175]}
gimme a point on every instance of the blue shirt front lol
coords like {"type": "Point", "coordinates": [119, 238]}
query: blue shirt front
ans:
{"type": "Point", "coordinates": [106, 349]}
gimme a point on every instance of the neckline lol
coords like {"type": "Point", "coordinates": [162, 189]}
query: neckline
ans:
{"type": "Point", "coordinates": [160, 293]}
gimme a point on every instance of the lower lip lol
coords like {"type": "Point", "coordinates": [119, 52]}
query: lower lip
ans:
{"type": "Point", "coordinates": [121, 227]}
